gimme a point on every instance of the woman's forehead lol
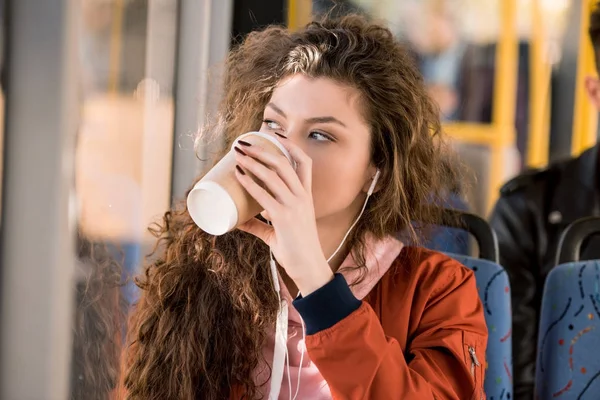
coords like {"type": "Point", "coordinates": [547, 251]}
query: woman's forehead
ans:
{"type": "Point", "coordinates": [300, 94]}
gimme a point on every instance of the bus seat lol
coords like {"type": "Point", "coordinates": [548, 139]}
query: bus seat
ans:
{"type": "Point", "coordinates": [449, 239]}
{"type": "Point", "coordinates": [568, 359]}
{"type": "Point", "coordinates": [494, 291]}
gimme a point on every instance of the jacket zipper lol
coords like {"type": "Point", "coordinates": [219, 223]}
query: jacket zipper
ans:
{"type": "Point", "coordinates": [474, 360]}
{"type": "Point", "coordinates": [474, 363]}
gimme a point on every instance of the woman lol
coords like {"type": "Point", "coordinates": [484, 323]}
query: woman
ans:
{"type": "Point", "coordinates": [380, 319]}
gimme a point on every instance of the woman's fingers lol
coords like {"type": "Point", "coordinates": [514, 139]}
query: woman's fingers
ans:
{"type": "Point", "coordinates": [303, 162]}
{"type": "Point", "coordinates": [271, 179]}
{"type": "Point", "coordinates": [276, 162]}
{"type": "Point", "coordinates": [259, 194]}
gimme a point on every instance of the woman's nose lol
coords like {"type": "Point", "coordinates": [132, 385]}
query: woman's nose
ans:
{"type": "Point", "coordinates": [294, 134]}
{"type": "Point", "coordinates": [297, 136]}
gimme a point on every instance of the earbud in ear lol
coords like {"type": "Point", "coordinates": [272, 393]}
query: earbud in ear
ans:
{"type": "Point", "coordinates": [374, 183]}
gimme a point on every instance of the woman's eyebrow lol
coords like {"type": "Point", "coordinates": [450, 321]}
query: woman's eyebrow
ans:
{"type": "Point", "coordinates": [314, 120]}
{"type": "Point", "coordinates": [324, 120]}
{"type": "Point", "coordinates": [276, 109]}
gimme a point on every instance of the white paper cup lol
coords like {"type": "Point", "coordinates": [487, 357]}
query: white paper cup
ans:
{"type": "Point", "coordinates": [218, 203]}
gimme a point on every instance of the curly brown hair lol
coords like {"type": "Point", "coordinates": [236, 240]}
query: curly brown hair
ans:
{"type": "Point", "coordinates": [98, 321]}
{"type": "Point", "coordinates": [208, 302]}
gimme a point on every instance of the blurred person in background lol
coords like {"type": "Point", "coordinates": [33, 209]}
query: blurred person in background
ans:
{"type": "Point", "coordinates": [529, 218]}
{"type": "Point", "coordinates": [435, 38]}
{"type": "Point", "coordinates": [372, 318]}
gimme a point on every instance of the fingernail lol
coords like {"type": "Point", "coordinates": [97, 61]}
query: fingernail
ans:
{"type": "Point", "coordinates": [239, 150]}
{"type": "Point", "coordinates": [241, 171]}
{"type": "Point", "coordinates": [280, 135]}
{"type": "Point", "coordinates": [244, 143]}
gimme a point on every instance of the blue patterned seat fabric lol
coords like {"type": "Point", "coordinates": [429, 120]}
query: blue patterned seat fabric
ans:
{"type": "Point", "coordinates": [494, 290]}
{"type": "Point", "coordinates": [446, 239]}
{"type": "Point", "coordinates": [568, 361]}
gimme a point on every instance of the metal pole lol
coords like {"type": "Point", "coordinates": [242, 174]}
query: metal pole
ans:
{"type": "Point", "coordinates": [37, 251]}
{"type": "Point", "coordinates": [204, 38]}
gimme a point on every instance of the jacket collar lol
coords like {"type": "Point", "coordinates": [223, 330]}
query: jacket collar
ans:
{"type": "Point", "coordinates": [379, 257]}
{"type": "Point", "coordinates": [576, 193]}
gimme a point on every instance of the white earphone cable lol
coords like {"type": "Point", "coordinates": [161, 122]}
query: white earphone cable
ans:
{"type": "Point", "coordinates": [280, 329]}
{"type": "Point", "coordinates": [369, 193]}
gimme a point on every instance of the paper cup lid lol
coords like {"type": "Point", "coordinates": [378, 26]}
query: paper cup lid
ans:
{"type": "Point", "coordinates": [212, 208]}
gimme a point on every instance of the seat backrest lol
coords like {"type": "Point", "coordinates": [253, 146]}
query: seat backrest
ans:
{"type": "Point", "coordinates": [573, 237]}
{"type": "Point", "coordinates": [494, 290]}
{"type": "Point", "coordinates": [476, 226]}
{"type": "Point", "coordinates": [450, 239]}
{"type": "Point", "coordinates": [568, 360]}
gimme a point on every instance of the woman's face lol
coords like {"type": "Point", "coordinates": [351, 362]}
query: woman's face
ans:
{"type": "Point", "coordinates": [325, 119]}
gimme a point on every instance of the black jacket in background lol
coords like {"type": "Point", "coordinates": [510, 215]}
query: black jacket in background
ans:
{"type": "Point", "coordinates": [530, 215]}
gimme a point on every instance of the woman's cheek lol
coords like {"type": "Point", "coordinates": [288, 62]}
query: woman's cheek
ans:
{"type": "Point", "coordinates": [329, 192]}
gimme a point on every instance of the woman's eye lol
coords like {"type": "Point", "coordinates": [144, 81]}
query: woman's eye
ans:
{"type": "Point", "coordinates": [271, 124]}
{"type": "Point", "coordinates": [321, 137]}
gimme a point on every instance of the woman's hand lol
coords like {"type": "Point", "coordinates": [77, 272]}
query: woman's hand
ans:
{"type": "Point", "coordinates": [293, 236]}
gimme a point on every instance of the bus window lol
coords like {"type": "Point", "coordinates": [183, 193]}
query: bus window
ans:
{"type": "Point", "coordinates": [477, 59]}
{"type": "Point", "coordinates": [123, 171]}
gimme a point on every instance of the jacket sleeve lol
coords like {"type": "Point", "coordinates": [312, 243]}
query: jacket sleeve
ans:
{"type": "Point", "coordinates": [515, 227]}
{"type": "Point", "coordinates": [359, 361]}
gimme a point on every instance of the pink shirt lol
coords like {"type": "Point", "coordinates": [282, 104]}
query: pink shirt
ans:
{"type": "Point", "coordinates": [380, 256]}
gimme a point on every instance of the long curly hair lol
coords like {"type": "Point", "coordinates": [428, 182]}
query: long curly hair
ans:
{"type": "Point", "coordinates": [207, 302]}
{"type": "Point", "coordinates": [98, 321]}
